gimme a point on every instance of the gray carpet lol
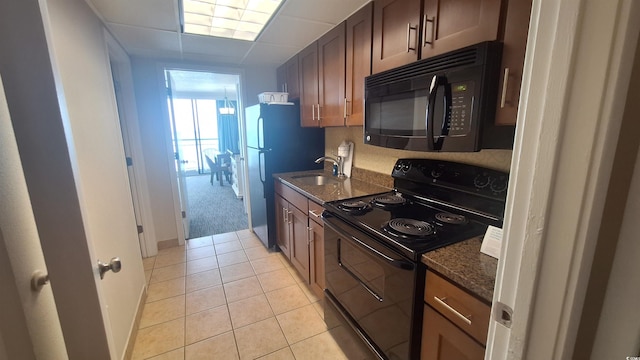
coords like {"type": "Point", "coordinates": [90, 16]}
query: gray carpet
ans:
{"type": "Point", "coordinates": [213, 209]}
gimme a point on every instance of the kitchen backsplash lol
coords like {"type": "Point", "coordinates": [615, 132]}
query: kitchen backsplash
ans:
{"type": "Point", "coordinates": [381, 160]}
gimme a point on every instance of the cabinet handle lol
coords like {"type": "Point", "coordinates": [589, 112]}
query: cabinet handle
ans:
{"type": "Point", "coordinates": [284, 215]}
{"type": "Point", "coordinates": [310, 238]}
{"type": "Point", "coordinates": [505, 82]}
{"type": "Point", "coordinates": [409, 28]}
{"type": "Point", "coordinates": [466, 319]}
{"type": "Point", "coordinates": [345, 107]}
{"type": "Point", "coordinates": [312, 212]}
{"type": "Point", "coordinates": [318, 112]}
{"type": "Point", "coordinates": [426, 21]}
{"type": "Point", "coordinates": [288, 216]}
{"type": "Point", "coordinates": [313, 112]}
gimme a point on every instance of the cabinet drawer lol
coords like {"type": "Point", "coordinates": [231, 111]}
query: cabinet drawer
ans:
{"type": "Point", "coordinates": [298, 200]}
{"type": "Point", "coordinates": [461, 308]}
{"type": "Point", "coordinates": [441, 340]}
{"type": "Point", "coordinates": [315, 211]}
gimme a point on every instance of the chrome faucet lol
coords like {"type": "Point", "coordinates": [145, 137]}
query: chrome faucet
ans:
{"type": "Point", "coordinates": [338, 162]}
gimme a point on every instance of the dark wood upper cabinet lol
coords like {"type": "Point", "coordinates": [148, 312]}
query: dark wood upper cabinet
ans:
{"type": "Point", "coordinates": [331, 77]}
{"type": "Point", "coordinates": [404, 32]}
{"type": "Point", "coordinates": [359, 37]}
{"type": "Point", "coordinates": [396, 32]}
{"type": "Point", "coordinates": [287, 76]}
{"type": "Point", "coordinates": [515, 43]}
{"type": "Point", "coordinates": [385, 34]}
{"type": "Point", "coordinates": [281, 77]}
{"type": "Point", "coordinates": [454, 24]}
{"type": "Point", "coordinates": [308, 75]}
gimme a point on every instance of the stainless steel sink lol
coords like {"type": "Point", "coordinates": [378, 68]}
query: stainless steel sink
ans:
{"type": "Point", "coordinates": [315, 179]}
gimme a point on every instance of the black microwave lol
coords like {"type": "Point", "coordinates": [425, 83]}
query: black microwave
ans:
{"type": "Point", "coordinates": [443, 103]}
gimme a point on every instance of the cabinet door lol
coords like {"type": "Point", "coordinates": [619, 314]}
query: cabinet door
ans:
{"type": "Point", "coordinates": [291, 75]}
{"type": "Point", "coordinates": [396, 29]}
{"type": "Point", "coordinates": [331, 78]}
{"type": "Point", "coordinates": [282, 226]}
{"type": "Point", "coordinates": [316, 245]}
{"type": "Point", "coordinates": [454, 24]}
{"type": "Point", "coordinates": [299, 241]}
{"type": "Point", "coordinates": [308, 72]}
{"type": "Point", "coordinates": [358, 63]}
{"type": "Point", "coordinates": [281, 77]}
{"type": "Point", "coordinates": [513, 51]}
{"type": "Point", "coordinates": [441, 340]}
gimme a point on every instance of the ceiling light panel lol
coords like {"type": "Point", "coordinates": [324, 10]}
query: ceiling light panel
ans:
{"type": "Point", "coordinates": [236, 19]}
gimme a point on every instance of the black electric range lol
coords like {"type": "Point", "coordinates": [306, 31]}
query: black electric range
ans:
{"type": "Point", "coordinates": [373, 245]}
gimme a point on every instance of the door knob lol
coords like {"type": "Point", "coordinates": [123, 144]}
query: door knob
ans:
{"type": "Point", "coordinates": [114, 265]}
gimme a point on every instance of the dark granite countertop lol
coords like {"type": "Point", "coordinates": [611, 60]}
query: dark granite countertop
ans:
{"type": "Point", "coordinates": [465, 265]}
{"type": "Point", "coordinates": [343, 189]}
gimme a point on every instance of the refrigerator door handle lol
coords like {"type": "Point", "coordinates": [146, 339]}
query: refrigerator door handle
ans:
{"type": "Point", "coordinates": [262, 171]}
{"type": "Point", "coordinates": [260, 124]}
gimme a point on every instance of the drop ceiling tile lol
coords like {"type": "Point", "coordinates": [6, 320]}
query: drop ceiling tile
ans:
{"type": "Point", "coordinates": [144, 38]}
{"type": "Point", "coordinates": [213, 59]}
{"type": "Point", "coordinates": [155, 54]}
{"type": "Point", "coordinates": [208, 45]}
{"type": "Point", "coordinates": [294, 32]}
{"type": "Point", "coordinates": [262, 54]}
{"type": "Point", "coordinates": [329, 11]}
{"type": "Point", "coordinates": [154, 14]}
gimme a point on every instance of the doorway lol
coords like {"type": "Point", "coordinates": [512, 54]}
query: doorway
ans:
{"type": "Point", "coordinates": [204, 118]}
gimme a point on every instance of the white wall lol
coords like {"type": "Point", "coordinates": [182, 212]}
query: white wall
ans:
{"type": "Point", "coordinates": [618, 334]}
{"type": "Point", "coordinates": [151, 103]}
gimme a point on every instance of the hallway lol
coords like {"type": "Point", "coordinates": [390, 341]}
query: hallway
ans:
{"type": "Point", "coordinates": [226, 297]}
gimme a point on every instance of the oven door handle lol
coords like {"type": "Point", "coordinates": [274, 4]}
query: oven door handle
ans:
{"type": "Point", "coordinates": [399, 263]}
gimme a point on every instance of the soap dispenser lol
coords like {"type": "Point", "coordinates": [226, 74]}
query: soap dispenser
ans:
{"type": "Point", "coordinates": [345, 151]}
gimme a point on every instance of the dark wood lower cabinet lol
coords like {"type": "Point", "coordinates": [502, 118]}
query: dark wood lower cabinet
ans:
{"type": "Point", "coordinates": [282, 226]}
{"type": "Point", "coordinates": [442, 340]}
{"type": "Point", "coordinates": [299, 241]}
{"type": "Point", "coordinates": [301, 234]}
{"type": "Point", "coordinates": [316, 245]}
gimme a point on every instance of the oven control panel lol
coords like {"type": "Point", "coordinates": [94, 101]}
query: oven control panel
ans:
{"type": "Point", "coordinates": [469, 178]}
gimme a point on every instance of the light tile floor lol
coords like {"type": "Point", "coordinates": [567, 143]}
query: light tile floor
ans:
{"type": "Point", "coordinates": [227, 297]}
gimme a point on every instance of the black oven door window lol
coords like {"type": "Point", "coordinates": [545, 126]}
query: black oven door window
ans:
{"type": "Point", "coordinates": [373, 284]}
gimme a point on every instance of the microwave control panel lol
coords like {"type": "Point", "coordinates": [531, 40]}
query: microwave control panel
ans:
{"type": "Point", "coordinates": [462, 96]}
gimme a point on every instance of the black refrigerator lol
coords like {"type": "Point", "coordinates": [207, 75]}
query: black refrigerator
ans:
{"type": "Point", "coordinates": [276, 143]}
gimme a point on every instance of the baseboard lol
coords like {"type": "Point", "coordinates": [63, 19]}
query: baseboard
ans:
{"type": "Point", "coordinates": [136, 323]}
{"type": "Point", "coordinates": [165, 244]}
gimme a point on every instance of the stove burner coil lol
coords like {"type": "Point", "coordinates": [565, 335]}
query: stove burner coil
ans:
{"type": "Point", "coordinates": [389, 200]}
{"type": "Point", "coordinates": [410, 227]}
{"type": "Point", "coordinates": [354, 206]}
{"type": "Point", "coordinates": [449, 218]}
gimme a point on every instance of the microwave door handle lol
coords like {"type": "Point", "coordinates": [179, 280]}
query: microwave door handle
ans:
{"type": "Point", "coordinates": [436, 81]}
{"type": "Point", "coordinates": [446, 115]}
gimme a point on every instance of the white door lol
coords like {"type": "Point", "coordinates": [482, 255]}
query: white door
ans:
{"type": "Point", "coordinates": [129, 160]}
{"type": "Point", "coordinates": [180, 160]}
{"type": "Point", "coordinates": [30, 326]}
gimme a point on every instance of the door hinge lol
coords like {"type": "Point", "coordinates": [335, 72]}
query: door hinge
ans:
{"type": "Point", "coordinates": [184, 214]}
{"type": "Point", "coordinates": [129, 161]}
{"type": "Point", "coordinates": [140, 229]}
